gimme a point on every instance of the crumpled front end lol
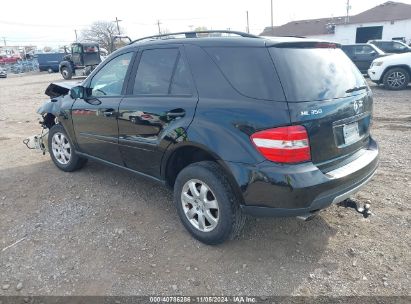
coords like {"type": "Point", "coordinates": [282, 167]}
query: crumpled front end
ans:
{"type": "Point", "coordinates": [49, 111]}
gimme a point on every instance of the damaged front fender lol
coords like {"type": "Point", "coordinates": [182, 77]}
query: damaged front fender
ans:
{"type": "Point", "coordinates": [58, 92]}
{"type": "Point", "coordinates": [52, 110]}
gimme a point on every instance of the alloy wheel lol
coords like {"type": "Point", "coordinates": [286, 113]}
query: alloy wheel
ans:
{"type": "Point", "coordinates": [396, 79]}
{"type": "Point", "coordinates": [61, 148]}
{"type": "Point", "coordinates": [200, 205]}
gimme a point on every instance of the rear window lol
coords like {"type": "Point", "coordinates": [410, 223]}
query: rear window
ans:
{"type": "Point", "coordinates": [249, 70]}
{"type": "Point", "coordinates": [348, 49]}
{"type": "Point", "coordinates": [310, 74]}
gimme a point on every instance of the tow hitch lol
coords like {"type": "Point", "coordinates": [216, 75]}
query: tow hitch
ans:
{"type": "Point", "coordinates": [349, 203]}
{"type": "Point", "coordinates": [38, 142]}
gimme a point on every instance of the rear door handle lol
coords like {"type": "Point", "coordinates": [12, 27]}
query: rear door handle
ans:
{"type": "Point", "coordinates": [176, 113]}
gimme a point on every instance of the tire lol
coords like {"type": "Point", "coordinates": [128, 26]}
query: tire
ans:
{"type": "Point", "coordinates": [220, 224]}
{"type": "Point", "coordinates": [50, 70]}
{"type": "Point", "coordinates": [64, 156]}
{"type": "Point", "coordinates": [66, 72]}
{"type": "Point", "coordinates": [396, 79]}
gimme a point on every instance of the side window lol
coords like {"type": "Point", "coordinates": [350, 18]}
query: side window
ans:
{"type": "Point", "coordinates": [386, 45]}
{"type": "Point", "coordinates": [110, 79]}
{"type": "Point", "coordinates": [180, 84]}
{"type": "Point", "coordinates": [250, 71]}
{"type": "Point", "coordinates": [380, 45]}
{"type": "Point", "coordinates": [155, 71]}
{"type": "Point", "coordinates": [363, 50]}
{"type": "Point", "coordinates": [358, 50]}
{"type": "Point", "coordinates": [347, 49]}
{"type": "Point", "coordinates": [398, 46]}
{"type": "Point", "coordinates": [76, 49]}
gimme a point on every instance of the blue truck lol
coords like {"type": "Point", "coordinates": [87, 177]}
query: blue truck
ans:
{"type": "Point", "coordinates": [49, 61]}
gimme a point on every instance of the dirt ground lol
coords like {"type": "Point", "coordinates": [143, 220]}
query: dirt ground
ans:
{"type": "Point", "coordinates": [102, 231]}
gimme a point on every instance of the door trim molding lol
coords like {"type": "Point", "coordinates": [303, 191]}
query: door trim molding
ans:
{"type": "Point", "coordinates": [161, 181]}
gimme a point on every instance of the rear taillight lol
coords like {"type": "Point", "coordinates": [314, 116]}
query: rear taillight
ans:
{"type": "Point", "coordinates": [284, 144]}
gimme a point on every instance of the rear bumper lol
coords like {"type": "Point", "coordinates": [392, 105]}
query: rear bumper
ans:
{"type": "Point", "coordinates": [278, 190]}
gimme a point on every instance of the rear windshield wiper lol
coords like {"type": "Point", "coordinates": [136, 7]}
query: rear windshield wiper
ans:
{"type": "Point", "coordinates": [356, 89]}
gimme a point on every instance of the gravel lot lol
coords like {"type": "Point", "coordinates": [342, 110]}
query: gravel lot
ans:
{"type": "Point", "coordinates": [102, 231]}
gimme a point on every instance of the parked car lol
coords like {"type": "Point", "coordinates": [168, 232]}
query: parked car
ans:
{"type": "Point", "coordinates": [236, 127]}
{"type": "Point", "coordinates": [391, 46]}
{"type": "Point", "coordinates": [362, 54]}
{"type": "Point", "coordinates": [393, 71]}
{"type": "Point", "coordinates": [49, 61]}
{"type": "Point", "coordinates": [3, 73]}
{"type": "Point", "coordinates": [9, 59]}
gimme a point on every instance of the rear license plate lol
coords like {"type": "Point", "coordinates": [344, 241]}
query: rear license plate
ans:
{"type": "Point", "coordinates": [351, 133]}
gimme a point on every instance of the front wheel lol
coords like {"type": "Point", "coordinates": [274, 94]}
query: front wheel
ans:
{"type": "Point", "coordinates": [66, 72]}
{"type": "Point", "coordinates": [396, 79]}
{"type": "Point", "coordinates": [207, 204]}
{"type": "Point", "coordinates": [62, 151]}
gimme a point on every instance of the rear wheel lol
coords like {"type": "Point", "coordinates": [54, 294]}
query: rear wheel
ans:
{"type": "Point", "coordinates": [62, 151]}
{"type": "Point", "coordinates": [206, 203]}
{"type": "Point", "coordinates": [66, 72]}
{"type": "Point", "coordinates": [396, 79]}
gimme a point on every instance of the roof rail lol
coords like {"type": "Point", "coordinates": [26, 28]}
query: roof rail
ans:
{"type": "Point", "coordinates": [193, 34]}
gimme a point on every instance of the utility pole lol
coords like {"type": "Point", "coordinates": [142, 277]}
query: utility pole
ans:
{"type": "Point", "coordinates": [248, 24]}
{"type": "Point", "coordinates": [118, 27]}
{"type": "Point", "coordinates": [75, 32]}
{"type": "Point", "coordinates": [4, 41]}
{"type": "Point", "coordinates": [272, 17]}
{"type": "Point", "coordinates": [347, 18]}
{"type": "Point", "coordinates": [159, 29]}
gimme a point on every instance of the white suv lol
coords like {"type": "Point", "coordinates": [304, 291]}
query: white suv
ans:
{"type": "Point", "coordinates": [393, 71]}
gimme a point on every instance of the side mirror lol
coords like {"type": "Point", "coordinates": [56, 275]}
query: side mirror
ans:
{"type": "Point", "coordinates": [81, 92]}
{"type": "Point", "coordinates": [77, 92]}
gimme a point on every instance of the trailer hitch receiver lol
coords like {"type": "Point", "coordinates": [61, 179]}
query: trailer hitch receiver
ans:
{"type": "Point", "coordinates": [349, 203]}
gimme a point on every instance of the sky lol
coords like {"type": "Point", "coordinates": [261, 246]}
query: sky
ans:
{"type": "Point", "coordinates": [53, 22]}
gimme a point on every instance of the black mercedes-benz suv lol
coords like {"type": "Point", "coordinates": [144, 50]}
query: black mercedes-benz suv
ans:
{"type": "Point", "coordinates": [236, 124]}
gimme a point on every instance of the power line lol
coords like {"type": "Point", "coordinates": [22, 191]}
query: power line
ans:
{"type": "Point", "coordinates": [183, 19]}
{"type": "Point", "coordinates": [40, 25]}
{"type": "Point", "coordinates": [39, 41]}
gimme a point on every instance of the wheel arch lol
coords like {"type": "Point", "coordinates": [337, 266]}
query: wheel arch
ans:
{"type": "Point", "coordinates": [403, 66]}
{"type": "Point", "coordinates": [184, 154]}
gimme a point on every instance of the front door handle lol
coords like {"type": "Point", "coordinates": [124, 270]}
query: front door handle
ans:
{"type": "Point", "coordinates": [176, 113]}
{"type": "Point", "coordinates": [109, 113]}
